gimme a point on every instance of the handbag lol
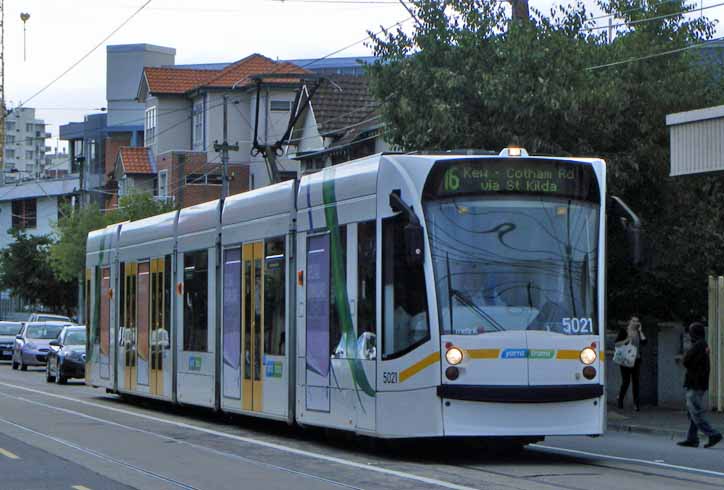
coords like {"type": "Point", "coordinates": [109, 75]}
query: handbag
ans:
{"type": "Point", "coordinates": [625, 353]}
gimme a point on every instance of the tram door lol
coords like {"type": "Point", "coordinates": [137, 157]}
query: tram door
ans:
{"type": "Point", "coordinates": [142, 316]}
{"type": "Point", "coordinates": [252, 307]}
{"type": "Point", "coordinates": [159, 340]}
{"type": "Point", "coordinates": [128, 326]}
{"type": "Point", "coordinates": [105, 322]}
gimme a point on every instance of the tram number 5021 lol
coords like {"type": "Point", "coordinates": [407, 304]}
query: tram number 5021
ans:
{"type": "Point", "coordinates": [577, 325]}
{"type": "Point", "coordinates": [389, 378]}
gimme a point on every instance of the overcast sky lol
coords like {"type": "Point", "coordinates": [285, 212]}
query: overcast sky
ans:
{"type": "Point", "coordinates": [60, 31]}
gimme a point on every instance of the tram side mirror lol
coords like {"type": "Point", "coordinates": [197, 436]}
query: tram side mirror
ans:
{"type": "Point", "coordinates": [631, 225]}
{"type": "Point", "coordinates": [413, 234]}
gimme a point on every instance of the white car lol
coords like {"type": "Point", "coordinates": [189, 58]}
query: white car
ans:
{"type": "Point", "coordinates": [48, 317]}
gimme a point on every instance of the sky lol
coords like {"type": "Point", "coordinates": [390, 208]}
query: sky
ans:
{"type": "Point", "coordinates": [59, 32]}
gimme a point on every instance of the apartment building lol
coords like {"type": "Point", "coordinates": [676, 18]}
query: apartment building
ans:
{"type": "Point", "coordinates": [25, 147]}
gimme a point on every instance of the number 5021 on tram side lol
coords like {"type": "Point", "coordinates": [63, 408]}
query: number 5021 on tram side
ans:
{"type": "Point", "coordinates": [396, 296]}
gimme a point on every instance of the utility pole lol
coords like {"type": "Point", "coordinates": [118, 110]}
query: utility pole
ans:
{"type": "Point", "coordinates": [224, 148]}
{"type": "Point", "coordinates": [520, 10]}
{"type": "Point", "coordinates": [3, 111]}
{"type": "Point", "coordinates": [181, 180]}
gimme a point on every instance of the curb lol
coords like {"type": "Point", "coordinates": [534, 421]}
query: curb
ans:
{"type": "Point", "coordinates": [643, 429]}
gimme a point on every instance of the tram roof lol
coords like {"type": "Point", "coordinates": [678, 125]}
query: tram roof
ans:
{"type": "Point", "coordinates": [260, 203]}
{"type": "Point", "coordinates": [198, 218]}
{"type": "Point", "coordinates": [352, 179]}
{"type": "Point", "coordinates": [149, 229]}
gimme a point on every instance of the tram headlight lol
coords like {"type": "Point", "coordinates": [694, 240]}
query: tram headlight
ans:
{"type": "Point", "coordinates": [454, 356]}
{"type": "Point", "coordinates": [588, 356]}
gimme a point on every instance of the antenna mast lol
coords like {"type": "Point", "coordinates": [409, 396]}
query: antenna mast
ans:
{"type": "Point", "coordinates": [3, 111]}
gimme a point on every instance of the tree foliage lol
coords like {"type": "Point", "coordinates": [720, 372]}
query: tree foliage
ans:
{"type": "Point", "coordinates": [68, 252]}
{"type": "Point", "coordinates": [25, 271]}
{"type": "Point", "coordinates": [465, 76]}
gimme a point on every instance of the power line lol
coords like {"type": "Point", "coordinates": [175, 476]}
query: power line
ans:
{"type": "Point", "coordinates": [658, 17]}
{"type": "Point", "coordinates": [85, 56]}
{"type": "Point", "coordinates": [654, 55]}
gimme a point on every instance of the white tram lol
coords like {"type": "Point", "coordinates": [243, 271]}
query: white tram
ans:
{"type": "Point", "coordinates": [395, 296]}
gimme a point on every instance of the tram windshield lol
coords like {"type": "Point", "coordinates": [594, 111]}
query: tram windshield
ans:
{"type": "Point", "coordinates": [514, 262]}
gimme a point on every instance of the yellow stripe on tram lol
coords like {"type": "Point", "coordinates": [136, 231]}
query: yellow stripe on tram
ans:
{"type": "Point", "coordinates": [568, 355]}
{"type": "Point", "coordinates": [483, 353]}
{"type": "Point", "coordinates": [419, 366]}
{"type": "Point", "coordinates": [8, 454]}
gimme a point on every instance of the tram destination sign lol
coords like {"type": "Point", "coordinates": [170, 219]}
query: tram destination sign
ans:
{"type": "Point", "coordinates": [559, 178]}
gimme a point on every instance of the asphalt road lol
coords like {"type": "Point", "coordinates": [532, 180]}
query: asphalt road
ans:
{"type": "Point", "coordinates": [77, 437]}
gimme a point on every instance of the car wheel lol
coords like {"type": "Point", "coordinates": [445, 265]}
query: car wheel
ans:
{"type": "Point", "coordinates": [59, 378]}
{"type": "Point", "coordinates": [48, 377]}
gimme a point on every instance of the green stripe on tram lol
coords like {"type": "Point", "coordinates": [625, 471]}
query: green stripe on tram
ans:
{"type": "Point", "coordinates": [339, 280]}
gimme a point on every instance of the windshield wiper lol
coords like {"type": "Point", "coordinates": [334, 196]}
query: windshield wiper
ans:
{"type": "Point", "coordinates": [467, 301]}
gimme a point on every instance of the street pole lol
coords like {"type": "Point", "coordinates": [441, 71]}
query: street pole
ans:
{"type": "Point", "coordinates": [224, 148]}
{"type": "Point", "coordinates": [520, 9]}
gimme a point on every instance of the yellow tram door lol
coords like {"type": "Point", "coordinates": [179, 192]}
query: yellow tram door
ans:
{"type": "Point", "coordinates": [252, 308]}
{"type": "Point", "coordinates": [159, 335]}
{"type": "Point", "coordinates": [129, 328]}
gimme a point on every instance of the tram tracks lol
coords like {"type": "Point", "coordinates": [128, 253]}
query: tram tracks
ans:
{"type": "Point", "coordinates": [431, 472]}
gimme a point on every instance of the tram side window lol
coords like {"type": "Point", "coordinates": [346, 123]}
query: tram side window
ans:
{"type": "Point", "coordinates": [196, 305]}
{"type": "Point", "coordinates": [87, 310]}
{"type": "Point", "coordinates": [122, 304]}
{"type": "Point", "coordinates": [338, 292]}
{"type": "Point", "coordinates": [274, 297]}
{"type": "Point", "coordinates": [366, 276]}
{"type": "Point", "coordinates": [404, 294]}
{"type": "Point", "coordinates": [96, 323]}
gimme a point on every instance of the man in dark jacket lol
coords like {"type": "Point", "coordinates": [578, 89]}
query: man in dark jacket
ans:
{"type": "Point", "coordinates": [696, 362]}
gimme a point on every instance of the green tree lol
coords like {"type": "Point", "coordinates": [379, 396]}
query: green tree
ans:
{"type": "Point", "coordinates": [466, 77]}
{"type": "Point", "coordinates": [68, 252]}
{"type": "Point", "coordinates": [25, 271]}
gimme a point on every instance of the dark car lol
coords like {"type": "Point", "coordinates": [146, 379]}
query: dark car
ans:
{"type": "Point", "coordinates": [8, 332]}
{"type": "Point", "coordinates": [31, 344]}
{"type": "Point", "coordinates": [66, 358]}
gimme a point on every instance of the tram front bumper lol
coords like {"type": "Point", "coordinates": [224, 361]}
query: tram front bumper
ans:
{"type": "Point", "coordinates": [522, 410]}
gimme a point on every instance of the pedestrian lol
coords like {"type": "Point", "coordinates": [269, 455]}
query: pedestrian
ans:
{"type": "Point", "coordinates": [634, 334]}
{"type": "Point", "coordinates": [696, 383]}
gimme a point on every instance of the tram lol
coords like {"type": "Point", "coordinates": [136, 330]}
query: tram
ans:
{"type": "Point", "coordinates": [395, 296]}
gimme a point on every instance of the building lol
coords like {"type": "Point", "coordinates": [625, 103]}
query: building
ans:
{"type": "Point", "coordinates": [350, 65]}
{"type": "Point", "coordinates": [25, 148]}
{"type": "Point", "coordinates": [34, 206]}
{"type": "Point", "coordinates": [94, 143]}
{"type": "Point", "coordinates": [57, 165]}
{"type": "Point", "coordinates": [185, 112]}
{"type": "Point", "coordinates": [340, 122]}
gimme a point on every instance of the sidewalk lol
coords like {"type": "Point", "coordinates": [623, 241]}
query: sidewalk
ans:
{"type": "Point", "coordinates": [655, 420]}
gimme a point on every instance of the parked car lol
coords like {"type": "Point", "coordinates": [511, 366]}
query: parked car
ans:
{"type": "Point", "coordinates": [66, 358]}
{"type": "Point", "coordinates": [48, 317]}
{"type": "Point", "coordinates": [32, 343]}
{"type": "Point", "coordinates": [8, 332]}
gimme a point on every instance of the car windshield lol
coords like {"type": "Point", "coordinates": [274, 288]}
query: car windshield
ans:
{"type": "Point", "coordinates": [43, 332]}
{"type": "Point", "coordinates": [11, 329]}
{"type": "Point", "coordinates": [514, 263]}
{"type": "Point", "coordinates": [75, 337]}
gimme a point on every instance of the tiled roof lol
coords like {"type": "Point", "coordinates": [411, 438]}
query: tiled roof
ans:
{"type": "Point", "coordinates": [170, 80]}
{"type": "Point", "coordinates": [175, 80]}
{"type": "Point", "coordinates": [136, 160]}
{"type": "Point", "coordinates": [344, 101]}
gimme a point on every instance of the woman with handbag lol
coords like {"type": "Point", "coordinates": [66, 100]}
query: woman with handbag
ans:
{"type": "Point", "coordinates": [629, 339]}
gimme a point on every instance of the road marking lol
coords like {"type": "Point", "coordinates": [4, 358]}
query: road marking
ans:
{"type": "Point", "coordinates": [80, 487]}
{"type": "Point", "coordinates": [8, 454]}
{"type": "Point", "coordinates": [249, 440]}
{"type": "Point", "coordinates": [628, 460]}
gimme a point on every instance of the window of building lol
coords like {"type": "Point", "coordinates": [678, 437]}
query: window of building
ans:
{"type": "Point", "coordinates": [24, 214]}
{"type": "Point", "coordinates": [198, 126]}
{"type": "Point", "coordinates": [10, 139]}
{"type": "Point", "coordinates": [123, 186]}
{"type": "Point", "coordinates": [10, 125]}
{"type": "Point", "coordinates": [28, 140]}
{"type": "Point", "coordinates": [214, 179]}
{"type": "Point", "coordinates": [404, 300]}
{"type": "Point", "coordinates": [280, 105]}
{"type": "Point", "coordinates": [28, 155]}
{"type": "Point", "coordinates": [29, 127]}
{"type": "Point", "coordinates": [163, 184]}
{"type": "Point", "coordinates": [9, 153]}
{"type": "Point", "coordinates": [274, 297]}
{"type": "Point", "coordinates": [149, 133]}
{"type": "Point", "coordinates": [366, 277]}
{"type": "Point", "coordinates": [196, 304]}
{"type": "Point", "coordinates": [203, 179]}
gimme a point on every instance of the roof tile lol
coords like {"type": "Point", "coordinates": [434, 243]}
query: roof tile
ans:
{"type": "Point", "coordinates": [136, 160]}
